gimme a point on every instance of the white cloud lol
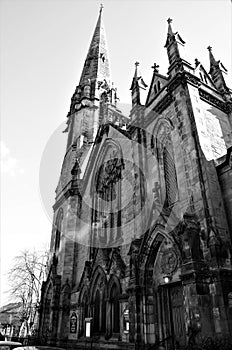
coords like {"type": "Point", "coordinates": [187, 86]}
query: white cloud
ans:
{"type": "Point", "coordinates": [9, 165]}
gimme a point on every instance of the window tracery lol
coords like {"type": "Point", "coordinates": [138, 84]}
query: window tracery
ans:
{"type": "Point", "coordinates": [107, 197]}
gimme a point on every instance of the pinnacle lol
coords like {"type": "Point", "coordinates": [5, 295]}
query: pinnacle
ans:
{"type": "Point", "coordinates": [169, 20]}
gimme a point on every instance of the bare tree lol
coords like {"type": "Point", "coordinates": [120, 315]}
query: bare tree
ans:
{"type": "Point", "coordinates": [26, 277]}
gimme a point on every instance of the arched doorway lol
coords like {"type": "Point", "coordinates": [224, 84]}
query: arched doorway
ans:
{"type": "Point", "coordinates": [169, 303]}
{"type": "Point", "coordinates": [164, 294]}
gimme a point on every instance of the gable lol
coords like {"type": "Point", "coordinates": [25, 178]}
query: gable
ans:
{"type": "Point", "coordinates": [157, 85]}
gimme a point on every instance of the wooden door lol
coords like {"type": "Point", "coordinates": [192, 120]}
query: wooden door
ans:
{"type": "Point", "coordinates": [177, 314]}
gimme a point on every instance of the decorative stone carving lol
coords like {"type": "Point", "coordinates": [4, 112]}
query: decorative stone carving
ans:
{"type": "Point", "coordinates": [213, 100]}
{"type": "Point", "coordinates": [192, 79]}
{"type": "Point", "coordinates": [187, 237]}
{"type": "Point", "coordinates": [134, 260]}
{"type": "Point", "coordinates": [169, 261]}
{"type": "Point", "coordinates": [156, 191]}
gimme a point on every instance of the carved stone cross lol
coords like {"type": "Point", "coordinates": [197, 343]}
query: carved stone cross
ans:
{"type": "Point", "coordinates": [155, 67]}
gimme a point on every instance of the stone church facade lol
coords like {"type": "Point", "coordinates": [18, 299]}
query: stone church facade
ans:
{"type": "Point", "coordinates": [141, 238]}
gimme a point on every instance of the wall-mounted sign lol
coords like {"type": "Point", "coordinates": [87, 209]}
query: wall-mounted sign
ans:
{"type": "Point", "coordinates": [126, 322]}
{"type": "Point", "coordinates": [88, 327]}
{"type": "Point", "coordinates": [73, 323]}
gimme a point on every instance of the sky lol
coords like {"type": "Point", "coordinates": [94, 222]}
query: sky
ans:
{"type": "Point", "coordinates": [43, 46]}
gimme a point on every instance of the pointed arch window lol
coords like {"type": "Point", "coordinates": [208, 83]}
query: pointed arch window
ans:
{"type": "Point", "coordinates": [107, 200]}
{"type": "Point", "coordinates": [170, 175]}
{"type": "Point", "coordinates": [99, 312]}
{"type": "Point", "coordinates": [115, 309]}
{"type": "Point", "coordinates": [58, 226]}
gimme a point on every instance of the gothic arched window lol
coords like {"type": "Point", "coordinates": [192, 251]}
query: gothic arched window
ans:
{"type": "Point", "coordinates": [170, 175]}
{"type": "Point", "coordinates": [58, 226]}
{"type": "Point", "coordinates": [115, 309]}
{"type": "Point", "coordinates": [107, 200]}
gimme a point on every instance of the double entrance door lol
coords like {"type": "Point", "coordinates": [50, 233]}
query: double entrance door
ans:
{"type": "Point", "coordinates": [170, 316]}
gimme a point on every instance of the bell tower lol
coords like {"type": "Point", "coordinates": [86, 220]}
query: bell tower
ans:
{"type": "Point", "coordinates": [92, 98]}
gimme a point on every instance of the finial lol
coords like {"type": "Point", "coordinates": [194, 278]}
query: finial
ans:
{"type": "Point", "coordinates": [170, 32]}
{"type": "Point", "coordinates": [101, 7]}
{"type": "Point", "coordinates": [155, 67]}
{"type": "Point", "coordinates": [209, 48]}
{"type": "Point", "coordinates": [136, 64]}
{"type": "Point", "coordinates": [197, 62]}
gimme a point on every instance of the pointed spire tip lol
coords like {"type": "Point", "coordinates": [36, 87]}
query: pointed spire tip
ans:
{"type": "Point", "coordinates": [101, 7]}
{"type": "Point", "coordinates": [170, 32]}
{"type": "Point", "coordinates": [209, 48]}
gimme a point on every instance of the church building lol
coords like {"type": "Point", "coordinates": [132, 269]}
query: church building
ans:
{"type": "Point", "coordinates": [142, 229]}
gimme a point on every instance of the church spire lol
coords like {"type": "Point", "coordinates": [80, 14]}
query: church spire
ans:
{"type": "Point", "coordinates": [216, 71]}
{"type": "Point", "coordinates": [96, 67]}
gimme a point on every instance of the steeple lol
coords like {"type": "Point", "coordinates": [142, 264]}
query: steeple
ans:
{"type": "Point", "coordinates": [93, 103]}
{"type": "Point", "coordinates": [96, 67]}
{"type": "Point", "coordinates": [96, 70]}
{"type": "Point", "coordinates": [216, 71]}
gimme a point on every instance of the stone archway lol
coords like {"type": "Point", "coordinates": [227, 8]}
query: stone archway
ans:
{"type": "Point", "coordinates": [164, 316]}
{"type": "Point", "coordinates": [98, 301]}
{"type": "Point", "coordinates": [113, 307]}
